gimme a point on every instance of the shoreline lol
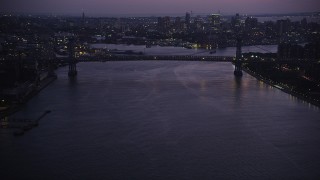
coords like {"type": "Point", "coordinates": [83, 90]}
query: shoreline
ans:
{"type": "Point", "coordinates": [16, 107]}
{"type": "Point", "coordinates": [282, 88]}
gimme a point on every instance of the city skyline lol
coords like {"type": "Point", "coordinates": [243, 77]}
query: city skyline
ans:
{"type": "Point", "coordinates": [144, 7]}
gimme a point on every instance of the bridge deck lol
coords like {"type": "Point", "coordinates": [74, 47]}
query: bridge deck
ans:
{"type": "Point", "coordinates": [157, 57]}
{"type": "Point", "coordinates": [179, 58]}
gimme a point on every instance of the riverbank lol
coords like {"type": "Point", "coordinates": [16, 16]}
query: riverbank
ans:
{"type": "Point", "coordinates": [17, 106]}
{"type": "Point", "coordinates": [282, 88]}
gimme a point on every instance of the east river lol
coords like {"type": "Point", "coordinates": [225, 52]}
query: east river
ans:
{"type": "Point", "coordinates": [171, 50]}
{"type": "Point", "coordinates": [163, 120]}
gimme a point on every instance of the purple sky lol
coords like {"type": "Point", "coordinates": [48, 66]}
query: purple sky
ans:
{"type": "Point", "coordinates": [114, 7]}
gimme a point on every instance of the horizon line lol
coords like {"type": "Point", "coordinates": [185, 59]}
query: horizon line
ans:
{"type": "Point", "coordinates": [88, 14]}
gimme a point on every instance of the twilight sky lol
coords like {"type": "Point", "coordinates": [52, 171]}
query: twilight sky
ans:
{"type": "Point", "coordinates": [153, 7]}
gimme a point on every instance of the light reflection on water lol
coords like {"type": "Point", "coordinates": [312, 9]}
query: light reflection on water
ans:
{"type": "Point", "coordinates": [164, 120]}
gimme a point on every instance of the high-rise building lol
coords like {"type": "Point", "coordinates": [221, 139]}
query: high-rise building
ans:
{"type": "Point", "coordinates": [215, 20]}
{"type": "Point", "coordinates": [283, 26]}
{"type": "Point", "coordinates": [177, 21]}
{"type": "Point", "coordinates": [163, 23]}
{"type": "Point", "coordinates": [236, 21]}
{"type": "Point", "coordinates": [304, 23]}
{"type": "Point", "coordinates": [251, 23]}
{"type": "Point", "coordinates": [199, 23]}
{"type": "Point", "coordinates": [178, 24]}
{"type": "Point", "coordinates": [188, 20]}
{"type": "Point", "coordinates": [83, 20]}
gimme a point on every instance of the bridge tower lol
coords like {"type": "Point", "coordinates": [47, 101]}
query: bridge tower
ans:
{"type": "Point", "coordinates": [72, 61]}
{"type": "Point", "coordinates": [238, 62]}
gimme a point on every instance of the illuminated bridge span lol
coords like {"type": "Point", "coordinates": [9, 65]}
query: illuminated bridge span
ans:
{"type": "Point", "coordinates": [156, 57]}
{"type": "Point", "coordinates": [72, 60]}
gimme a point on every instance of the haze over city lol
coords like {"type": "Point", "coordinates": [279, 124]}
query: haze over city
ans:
{"type": "Point", "coordinates": [155, 7]}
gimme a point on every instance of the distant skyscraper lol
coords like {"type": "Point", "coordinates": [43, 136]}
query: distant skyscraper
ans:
{"type": "Point", "coordinates": [283, 26]}
{"type": "Point", "coordinates": [178, 20]}
{"type": "Point", "coordinates": [304, 23]}
{"type": "Point", "coordinates": [198, 22]}
{"type": "Point", "coordinates": [178, 24]}
{"type": "Point", "coordinates": [251, 23]}
{"type": "Point", "coordinates": [215, 20]}
{"type": "Point", "coordinates": [163, 23]}
{"type": "Point", "coordinates": [236, 21]}
{"type": "Point", "coordinates": [188, 20]}
{"type": "Point", "coordinates": [83, 19]}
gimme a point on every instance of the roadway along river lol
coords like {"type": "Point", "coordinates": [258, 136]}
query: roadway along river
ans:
{"type": "Point", "coordinates": [163, 120]}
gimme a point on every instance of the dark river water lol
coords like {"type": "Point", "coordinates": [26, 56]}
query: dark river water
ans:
{"type": "Point", "coordinates": [163, 120]}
